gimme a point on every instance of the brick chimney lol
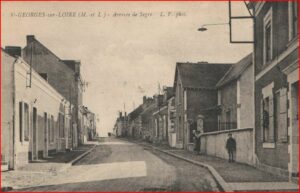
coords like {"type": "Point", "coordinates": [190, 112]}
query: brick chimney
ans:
{"type": "Point", "coordinates": [13, 50]}
{"type": "Point", "coordinates": [30, 38]}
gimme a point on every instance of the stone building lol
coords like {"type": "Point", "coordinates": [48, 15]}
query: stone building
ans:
{"type": "Point", "coordinates": [37, 120]}
{"type": "Point", "coordinates": [120, 128]}
{"type": "Point", "coordinates": [89, 124]}
{"type": "Point", "coordinates": [135, 122]}
{"type": "Point", "coordinates": [235, 113]}
{"type": "Point", "coordinates": [161, 116]}
{"type": "Point", "coordinates": [276, 58]}
{"type": "Point", "coordinates": [195, 94]}
{"type": "Point", "coordinates": [63, 75]}
{"type": "Point", "coordinates": [149, 106]}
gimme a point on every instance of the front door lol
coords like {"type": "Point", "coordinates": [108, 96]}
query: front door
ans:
{"type": "Point", "coordinates": [34, 134]}
{"type": "Point", "coordinates": [45, 153]}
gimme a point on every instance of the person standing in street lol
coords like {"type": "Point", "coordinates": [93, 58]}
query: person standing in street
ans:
{"type": "Point", "coordinates": [231, 147]}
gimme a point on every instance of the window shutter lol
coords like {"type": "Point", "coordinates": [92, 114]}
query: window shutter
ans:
{"type": "Point", "coordinates": [282, 129]}
{"type": "Point", "coordinates": [262, 119]}
{"type": "Point", "coordinates": [271, 118]}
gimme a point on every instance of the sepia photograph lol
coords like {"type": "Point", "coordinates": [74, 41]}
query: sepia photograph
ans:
{"type": "Point", "coordinates": [149, 96]}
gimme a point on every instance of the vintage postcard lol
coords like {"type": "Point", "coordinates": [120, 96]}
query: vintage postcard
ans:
{"type": "Point", "coordinates": [149, 96]}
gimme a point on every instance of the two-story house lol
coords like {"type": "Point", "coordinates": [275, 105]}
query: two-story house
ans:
{"type": "Point", "coordinates": [161, 116]}
{"type": "Point", "coordinates": [35, 122]}
{"type": "Point", "coordinates": [235, 113]}
{"type": "Point", "coordinates": [63, 75]}
{"type": "Point", "coordinates": [276, 58]}
{"type": "Point", "coordinates": [195, 94]}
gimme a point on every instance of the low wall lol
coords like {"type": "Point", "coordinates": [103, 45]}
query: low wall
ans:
{"type": "Point", "coordinates": [214, 143]}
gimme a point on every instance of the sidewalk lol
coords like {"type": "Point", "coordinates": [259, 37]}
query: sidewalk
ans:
{"type": "Point", "coordinates": [231, 176]}
{"type": "Point", "coordinates": [42, 170]}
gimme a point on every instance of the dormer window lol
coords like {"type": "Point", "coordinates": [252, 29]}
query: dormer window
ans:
{"type": "Point", "coordinates": [268, 35]}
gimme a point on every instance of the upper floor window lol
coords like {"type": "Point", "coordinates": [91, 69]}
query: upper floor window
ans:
{"type": "Point", "coordinates": [293, 19]}
{"type": "Point", "coordinates": [268, 37]}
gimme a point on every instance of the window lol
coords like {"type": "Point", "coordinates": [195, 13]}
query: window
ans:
{"type": "Point", "coordinates": [26, 122]}
{"type": "Point", "coordinates": [52, 130]}
{"type": "Point", "coordinates": [268, 42]}
{"type": "Point", "coordinates": [293, 19]}
{"type": "Point", "coordinates": [228, 120]}
{"type": "Point", "coordinates": [268, 119]}
{"type": "Point", "coordinates": [268, 37]}
{"type": "Point", "coordinates": [282, 116]}
{"type": "Point", "coordinates": [21, 120]}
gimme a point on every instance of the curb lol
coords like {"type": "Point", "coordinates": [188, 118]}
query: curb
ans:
{"type": "Point", "coordinates": [74, 161]}
{"type": "Point", "coordinates": [223, 185]}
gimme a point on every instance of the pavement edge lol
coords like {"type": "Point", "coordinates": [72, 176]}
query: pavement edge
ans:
{"type": "Point", "coordinates": [223, 185]}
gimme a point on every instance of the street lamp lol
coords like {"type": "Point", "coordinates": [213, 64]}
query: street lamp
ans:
{"type": "Point", "coordinates": [203, 27]}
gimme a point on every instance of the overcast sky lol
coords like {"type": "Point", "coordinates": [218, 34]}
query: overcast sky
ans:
{"type": "Point", "coordinates": [124, 58]}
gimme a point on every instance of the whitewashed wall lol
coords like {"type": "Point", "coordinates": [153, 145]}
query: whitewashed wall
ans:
{"type": "Point", "coordinates": [214, 143]}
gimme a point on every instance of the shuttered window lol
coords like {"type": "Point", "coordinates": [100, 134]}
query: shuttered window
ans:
{"type": "Point", "coordinates": [282, 128]}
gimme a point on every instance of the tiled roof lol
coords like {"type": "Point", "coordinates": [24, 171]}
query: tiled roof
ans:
{"type": "Point", "coordinates": [136, 112]}
{"type": "Point", "coordinates": [200, 75]}
{"type": "Point", "coordinates": [236, 70]}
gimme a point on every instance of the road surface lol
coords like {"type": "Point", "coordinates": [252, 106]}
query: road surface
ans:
{"type": "Point", "coordinates": [116, 165]}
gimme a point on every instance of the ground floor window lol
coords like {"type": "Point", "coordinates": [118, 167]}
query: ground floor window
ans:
{"type": "Point", "coordinates": [274, 116]}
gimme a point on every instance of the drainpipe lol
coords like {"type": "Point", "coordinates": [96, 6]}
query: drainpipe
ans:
{"type": "Point", "coordinates": [255, 158]}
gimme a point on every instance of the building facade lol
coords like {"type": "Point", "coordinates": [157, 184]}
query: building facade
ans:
{"type": "Point", "coordinates": [276, 86]}
{"type": "Point", "coordinates": [63, 75]}
{"type": "Point", "coordinates": [195, 94]}
{"type": "Point", "coordinates": [40, 121]}
{"type": "Point", "coordinates": [235, 113]}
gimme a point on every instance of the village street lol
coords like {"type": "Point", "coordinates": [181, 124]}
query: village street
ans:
{"type": "Point", "coordinates": [116, 165]}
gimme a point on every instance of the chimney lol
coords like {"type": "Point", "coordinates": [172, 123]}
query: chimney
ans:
{"type": "Point", "coordinates": [77, 66]}
{"type": "Point", "coordinates": [30, 38]}
{"type": "Point", "coordinates": [13, 50]}
{"type": "Point", "coordinates": [120, 114]}
{"type": "Point", "coordinates": [144, 99]}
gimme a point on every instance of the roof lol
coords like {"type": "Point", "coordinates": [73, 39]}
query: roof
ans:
{"type": "Point", "coordinates": [169, 91]}
{"type": "Point", "coordinates": [136, 112]}
{"type": "Point", "coordinates": [200, 75]}
{"type": "Point", "coordinates": [65, 62]}
{"type": "Point", "coordinates": [236, 70]}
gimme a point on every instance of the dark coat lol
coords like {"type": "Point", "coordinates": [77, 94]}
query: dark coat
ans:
{"type": "Point", "coordinates": [231, 144]}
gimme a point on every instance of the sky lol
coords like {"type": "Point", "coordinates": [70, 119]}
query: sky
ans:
{"type": "Point", "coordinates": [133, 49]}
